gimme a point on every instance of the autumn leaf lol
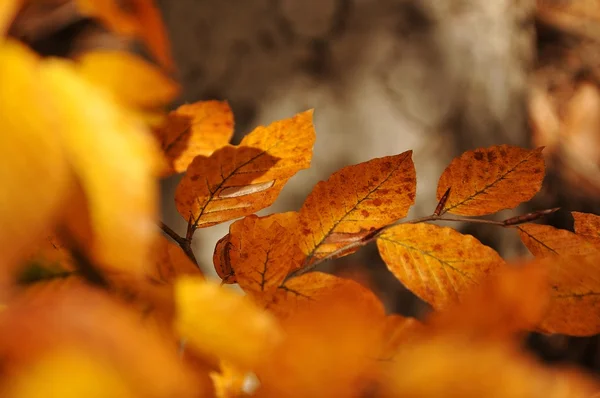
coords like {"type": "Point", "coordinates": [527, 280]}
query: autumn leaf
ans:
{"type": "Point", "coordinates": [438, 264]}
{"type": "Point", "coordinates": [133, 81]}
{"type": "Point", "coordinates": [311, 290]}
{"type": "Point", "coordinates": [194, 129]}
{"type": "Point", "coordinates": [217, 321]}
{"type": "Point", "coordinates": [8, 10]}
{"type": "Point", "coordinates": [134, 18]}
{"type": "Point", "coordinates": [587, 226]}
{"type": "Point", "coordinates": [452, 365]}
{"type": "Point", "coordinates": [122, 193]}
{"type": "Point", "coordinates": [261, 251]}
{"type": "Point", "coordinates": [354, 202]}
{"type": "Point", "coordinates": [397, 331]}
{"type": "Point", "coordinates": [169, 262]}
{"type": "Point", "coordinates": [222, 260]}
{"type": "Point", "coordinates": [485, 181]}
{"type": "Point", "coordinates": [544, 241]}
{"type": "Point", "coordinates": [574, 295]}
{"type": "Point", "coordinates": [34, 186]}
{"type": "Point", "coordinates": [237, 181]}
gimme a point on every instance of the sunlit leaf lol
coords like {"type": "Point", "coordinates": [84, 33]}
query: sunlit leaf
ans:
{"type": "Point", "coordinates": [354, 202]}
{"type": "Point", "coordinates": [487, 180]}
{"type": "Point", "coordinates": [133, 80]}
{"type": "Point", "coordinates": [135, 18]}
{"type": "Point", "coordinates": [438, 264]}
{"type": "Point", "coordinates": [588, 226]}
{"type": "Point", "coordinates": [34, 173]}
{"type": "Point", "coordinates": [263, 251]}
{"type": "Point", "coordinates": [121, 193]}
{"type": "Point", "coordinates": [574, 295]}
{"type": "Point", "coordinates": [194, 129]}
{"type": "Point", "coordinates": [544, 241]}
{"type": "Point", "coordinates": [217, 321]}
{"type": "Point", "coordinates": [237, 181]}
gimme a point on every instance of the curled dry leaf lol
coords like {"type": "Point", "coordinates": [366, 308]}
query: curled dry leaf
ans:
{"type": "Point", "coordinates": [261, 251]}
{"type": "Point", "coordinates": [587, 226]}
{"type": "Point", "coordinates": [487, 180]}
{"type": "Point", "coordinates": [237, 181]}
{"type": "Point", "coordinates": [122, 224]}
{"type": "Point", "coordinates": [134, 81]}
{"type": "Point", "coordinates": [438, 264]}
{"type": "Point", "coordinates": [354, 202]}
{"type": "Point", "coordinates": [222, 260]}
{"type": "Point", "coordinates": [194, 129]}
{"type": "Point", "coordinates": [217, 321]}
{"type": "Point", "coordinates": [574, 296]}
{"type": "Point", "coordinates": [134, 18]}
{"type": "Point", "coordinates": [544, 241]}
{"type": "Point", "coordinates": [34, 186]}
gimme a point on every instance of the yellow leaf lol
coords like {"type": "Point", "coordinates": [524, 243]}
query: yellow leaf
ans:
{"type": "Point", "coordinates": [544, 241]}
{"type": "Point", "coordinates": [438, 264]}
{"type": "Point", "coordinates": [8, 10]}
{"type": "Point", "coordinates": [454, 366]}
{"type": "Point", "coordinates": [354, 202]}
{"type": "Point", "coordinates": [115, 161]}
{"type": "Point", "coordinates": [237, 181]}
{"type": "Point", "coordinates": [136, 18]}
{"type": "Point", "coordinates": [310, 290]}
{"type": "Point", "coordinates": [34, 173]}
{"type": "Point", "coordinates": [69, 373]}
{"type": "Point", "coordinates": [217, 321]}
{"type": "Point", "coordinates": [574, 295]}
{"type": "Point", "coordinates": [588, 226]}
{"type": "Point", "coordinates": [133, 81]}
{"type": "Point", "coordinates": [263, 251]}
{"type": "Point", "coordinates": [488, 180]}
{"type": "Point", "coordinates": [194, 129]}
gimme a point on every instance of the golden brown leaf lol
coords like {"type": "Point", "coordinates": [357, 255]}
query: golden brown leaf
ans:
{"type": "Point", "coordinates": [454, 366]}
{"type": "Point", "coordinates": [217, 321]}
{"type": "Point", "coordinates": [194, 129]}
{"type": "Point", "coordinates": [134, 81]}
{"type": "Point", "coordinates": [34, 173]}
{"type": "Point", "coordinates": [68, 313]}
{"type": "Point", "coordinates": [310, 290]}
{"type": "Point", "coordinates": [587, 226]}
{"type": "Point", "coordinates": [438, 264]}
{"type": "Point", "coordinates": [222, 260]}
{"type": "Point", "coordinates": [354, 202]}
{"type": "Point", "coordinates": [135, 18]}
{"type": "Point", "coordinates": [263, 251]}
{"type": "Point", "coordinates": [122, 193]}
{"type": "Point", "coordinates": [575, 295]}
{"type": "Point", "coordinates": [488, 180]}
{"type": "Point", "coordinates": [237, 181]}
{"type": "Point", "coordinates": [544, 241]}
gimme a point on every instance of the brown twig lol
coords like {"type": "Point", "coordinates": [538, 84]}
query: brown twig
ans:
{"type": "Point", "coordinates": [184, 243]}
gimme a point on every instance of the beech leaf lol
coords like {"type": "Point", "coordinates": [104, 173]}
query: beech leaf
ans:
{"type": "Point", "coordinates": [545, 241]}
{"type": "Point", "coordinates": [194, 129]}
{"type": "Point", "coordinates": [354, 202]}
{"type": "Point", "coordinates": [237, 181]}
{"type": "Point", "coordinates": [438, 264]}
{"type": "Point", "coordinates": [587, 226]}
{"type": "Point", "coordinates": [487, 180]}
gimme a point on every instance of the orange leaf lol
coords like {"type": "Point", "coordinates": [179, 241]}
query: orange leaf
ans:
{"type": "Point", "coordinates": [397, 331]}
{"type": "Point", "coordinates": [263, 251]}
{"type": "Point", "coordinates": [587, 226]}
{"type": "Point", "coordinates": [438, 264]}
{"type": "Point", "coordinates": [137, 18]}
{"type": "Point", "coordinates": [488, 180]}
{"type": "Point", "coordinates": [354, 202]}
{"type": "Point", "coordinates": [310, 290]}
{"type": "Point", "coordinates": [133, 80]}
{"type": "Point", "coordinates": [575, 295]}
{"type": "Point", "coordinates": [194, 129]}
{"type": "Point", "coordinates": [169, 262]}
{"type": "Point", "coordinates": [237, 181]}
{"type": "Point", "coordinates": [217, 321]}
{"type": "Point", "coordinates": [544, 241]}
{"type": "Point", "coordinates": [8, 10]}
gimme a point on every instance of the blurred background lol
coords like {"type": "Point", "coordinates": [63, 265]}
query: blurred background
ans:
{"type": "Point", "coordinates": [384, 76]}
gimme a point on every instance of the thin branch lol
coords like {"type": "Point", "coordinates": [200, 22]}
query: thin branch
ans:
{"type": "Point", "coordinates": [172, 234]}
{"type": "Point", "coordinates": [184, 243]}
